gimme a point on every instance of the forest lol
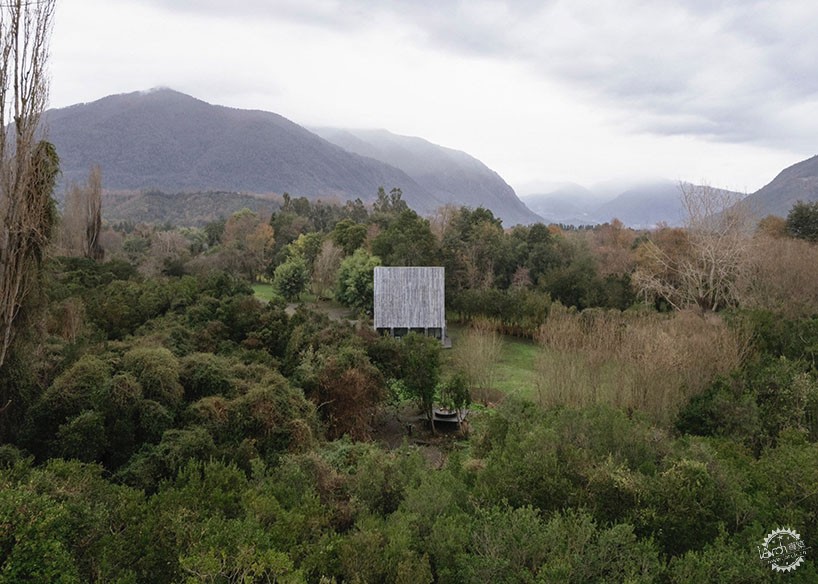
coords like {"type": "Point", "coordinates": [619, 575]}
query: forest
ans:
{"type": "Point", "coordinates": [209, 404]}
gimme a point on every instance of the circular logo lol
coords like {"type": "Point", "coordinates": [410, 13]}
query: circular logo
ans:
{"type": "Point", "coordinates": [783, 549]}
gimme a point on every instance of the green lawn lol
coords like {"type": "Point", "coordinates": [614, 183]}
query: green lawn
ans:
{"type": "Point", "coordinates": [515, 371]}
{"type": "Point", "coordinates": [516, 374]}
{"type": "Point", "coordinates": [264, 292]}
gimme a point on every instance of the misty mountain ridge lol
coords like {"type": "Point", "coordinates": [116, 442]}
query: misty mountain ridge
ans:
{"type": "Point", "coordinates": [167, 141]}
{"type": "Point", "coordinates": [641, 205]}
{"type": "Point", "coordinates": [448, 174]}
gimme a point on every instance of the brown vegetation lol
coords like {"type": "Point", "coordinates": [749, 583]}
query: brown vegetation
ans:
{"type": "Point", "coordinates": [81, 223]}
{"type": "Point", "coordinates": [476, 354]}
{"type": "Point", "coordinates": [782, 277]}
{"type": "Point", "coordinates": [707, 260]}
{"type": "Point", "coordinates": [648, 362]}
{"type": "Point", "coordinates": [28, 166]}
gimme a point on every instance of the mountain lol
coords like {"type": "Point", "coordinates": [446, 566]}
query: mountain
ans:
{"type": "Point", "coordinates": [564, 203]}
{"type": "Point", "coordinates": [644, 205]}
{"type": "Point", "coordinates": [165, 140]}
{"type": "Point", "coordinates": [638, 205]}
{"type": "Point", "coordinates": [449, 175]}
{"type": "Point", "coordinates": [799, 182]}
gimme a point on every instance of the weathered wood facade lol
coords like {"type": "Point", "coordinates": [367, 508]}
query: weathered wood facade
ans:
{"type": "Point", "coordinates": [410, 299]}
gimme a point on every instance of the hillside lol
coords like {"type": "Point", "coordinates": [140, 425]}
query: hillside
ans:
{"type": "Point", "coordinates": [449, 175]}
{"type": "Point", "coordinates": [188, 209]}
{"type": "Point", "coordinates": [798, 182]}
{"type": "Point", "coordinates": [168, 141]}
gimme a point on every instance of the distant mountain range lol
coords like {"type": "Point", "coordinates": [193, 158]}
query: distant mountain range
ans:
{"type": "Point", "coordinates": [640, 205]}
{"type": "Point", "coordinates": [163, 140]}
{"type": "Point", "coordinates": [167, 141]}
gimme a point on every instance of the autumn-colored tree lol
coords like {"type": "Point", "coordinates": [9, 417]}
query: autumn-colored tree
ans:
{"type": "Point", "coordinates": [772, 226]}
{"type": "Point", "coordinates": [612, 245]}
{"type": "Point", "coordinates": [782, 277]}
{"type": "Point", "coordinates": [249, 241]}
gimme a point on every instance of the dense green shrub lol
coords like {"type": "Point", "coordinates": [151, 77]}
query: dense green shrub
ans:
{"type": "Point", "coordinates": [157, 371]}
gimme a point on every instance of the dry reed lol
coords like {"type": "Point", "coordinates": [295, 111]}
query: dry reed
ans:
{"type": "Point", "coordinates": [636, 361]}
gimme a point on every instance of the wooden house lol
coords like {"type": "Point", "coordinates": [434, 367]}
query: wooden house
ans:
{"type": "Point", "coordinates": [410, 299]}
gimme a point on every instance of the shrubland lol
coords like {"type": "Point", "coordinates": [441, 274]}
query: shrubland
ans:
{"type": "Point", "coordinates": [161, 423]}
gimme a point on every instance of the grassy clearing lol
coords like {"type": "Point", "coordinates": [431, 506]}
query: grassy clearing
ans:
{"type": "Point", "coordinates": [264, 292]}
{"type": "Point", "coordinates": [514, 372]}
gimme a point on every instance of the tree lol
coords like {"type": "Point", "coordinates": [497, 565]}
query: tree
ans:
{"type": "Point", "coordinates": [390, 204]}
{"type": "Point", "coordinates": [349, 235]}
{"type": "Point", "coordinates": [408, 241]}
{"type": "Point", "coordinates": [82, 219]}
{"type": "Point", "coordinates": [713, 257]}
{"type": "Point", "coordinates": [455, 394]}
{"type": "Point", "coordinates": [476, 355]}
{"type": "Point", "coordinates": [259, 245]}
{"type": "Point", "coordinates": [325, 269]}
{"type": "Point", "coordinates": [802, 221]}
{"type": "Point", "coordinates": [421, 370]}
{"type": "Point", "coordinates": [355, 280]}
{"type": "Point", "coordinates": [290, 278]}
{"type": "Point", "coordinates": [473, 245]}
{"type": "Point", "coordinates": [249, 241]}
{"type": "Point", "coordinates": [28, 166]}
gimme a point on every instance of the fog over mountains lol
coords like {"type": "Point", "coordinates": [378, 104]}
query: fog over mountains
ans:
{"type": "Point", "coordinates": [163, 140]}
{"type": "Point", "coordinates": [641, 205]}
{"type": "Point", "coordinates": [450, 175]}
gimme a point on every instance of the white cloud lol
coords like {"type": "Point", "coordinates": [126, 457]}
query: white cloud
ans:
{"type": "Point", "coordinates": [560, 90]}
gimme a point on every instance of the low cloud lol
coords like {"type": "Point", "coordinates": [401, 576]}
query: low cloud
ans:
{"type": "Point", "coordinates": [732, 71]}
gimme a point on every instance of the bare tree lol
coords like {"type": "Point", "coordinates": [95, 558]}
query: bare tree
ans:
{"type": "Point", "coordinates": [82, 219]}
{"type": "Point", "coordinates": [325, 269]}
{"type": "Point", "coordinates": [28, 165]}
{"type": "Point", "coordinates": [708, 264]}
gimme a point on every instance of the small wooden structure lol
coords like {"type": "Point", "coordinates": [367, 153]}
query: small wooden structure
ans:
{"type": "Point", "coordinates": [410, 299]}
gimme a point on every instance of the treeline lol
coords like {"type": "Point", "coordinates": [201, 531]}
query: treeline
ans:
{"type": "Point", "coordinates": [327, 250]}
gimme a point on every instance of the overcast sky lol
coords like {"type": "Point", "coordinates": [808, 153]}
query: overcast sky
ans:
{"type": "Point", "coordinates": [724, 92]}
